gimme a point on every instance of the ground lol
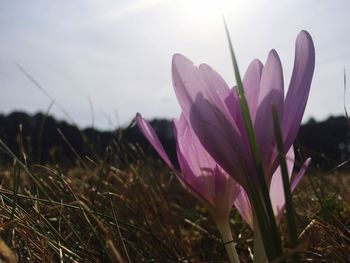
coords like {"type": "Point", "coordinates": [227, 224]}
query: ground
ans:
{"type": "Point", "coordinates": [113, 211]}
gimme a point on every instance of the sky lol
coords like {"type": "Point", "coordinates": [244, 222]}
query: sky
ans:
{"type": "Point", "coordinates": [100, 62]}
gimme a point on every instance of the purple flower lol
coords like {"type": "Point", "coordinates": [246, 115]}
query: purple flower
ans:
{"type": "Point", "coordinates": [208, 181]}
{"type": "Point", "coordinates": [212, 143]}
{"type": "Point", "coordinates": [199, 172]}
{"type": "Point", "coordinates": [201, 175]}
{"type": "Point", "coordinates": [213, 111]}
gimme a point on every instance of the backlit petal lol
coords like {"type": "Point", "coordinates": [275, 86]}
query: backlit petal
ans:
{"type": "Point", "coordinates": [251, 84]}
{"type": "Point", "coordinates": [276, 187]}
{"type": "Point", "coordinates": [201, 93]}
{"type": "Point", "coordinates": [244, 208]}
{"type": "Point", "coordinates": [195, 162]}
{"type": "Point", "coordinates": [270, 94]}
{"type": "Point", "coordinates": [153, 139]}
{"type": "Point", "coordinates": [299, 87]}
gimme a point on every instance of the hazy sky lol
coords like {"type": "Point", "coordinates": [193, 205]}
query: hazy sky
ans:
{"type": "Point", "coordinates": [117, 54]}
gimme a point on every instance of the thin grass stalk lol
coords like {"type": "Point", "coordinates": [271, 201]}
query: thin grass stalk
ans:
{"type": "Point", "coordinates": [42, 234]}
{"type": "Point", "coordinates": [292, 230]}
{"type": "Point", "coordinates": [81, 205]}
{"type": "Point", "coordinates": [274, 248]}
{"type": "Point", "coordinates": [119, 232]}
{"type": "Point", "coordinates": [36, 180]}
{"type": "Point", "coordinates": [16, 177]}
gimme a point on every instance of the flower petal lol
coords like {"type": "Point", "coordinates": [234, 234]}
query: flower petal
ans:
{"type": "Point", "coordinates": [201, 173]}
{"type": "Point", "coordinates": [201, 94]}
{"type": "Point", "coordinates": [277, 189]}
{"type": "Point", "coordinates": [251, 84]}
{"type": "Point", "coordinates": [217, 89]}
{"type": "Point", "coordinates": [295, 181]}
{"type": "Point", "coordinates": [188, 180]}
{"type": "Point", "coordinates": [189, 81]}
{"type": "Point", "coordinates": [271, 94]}
{"type": "Point", "coordinates": [195, 154]}
{"type": "Point", "coordinates": [244, 208]}
{"type": "Point", "coordinates": [299, 87]}
{"type": "Point", "coordinates": [220, 140]}
{"type": "Point", "coordinates": [195, 162]}
{"type": "Point", "coordinates": [153, 139]}
{"type": "Point", "coordinates": [226, 192]}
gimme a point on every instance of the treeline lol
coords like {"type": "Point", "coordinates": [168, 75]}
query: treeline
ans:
{"type": "Point", "coordinates": [43, 139]}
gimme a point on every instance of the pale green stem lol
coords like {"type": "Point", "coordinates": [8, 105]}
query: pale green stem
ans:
{"type": "Point", "coordinates": [226, 235]}
{"type": "Point", "coordinates": [259, 249]}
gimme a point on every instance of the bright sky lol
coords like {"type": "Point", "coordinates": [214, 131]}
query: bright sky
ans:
{"type": "Point", "coordinates": [116, 55]}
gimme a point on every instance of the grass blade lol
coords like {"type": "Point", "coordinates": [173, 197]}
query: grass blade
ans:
{"type": "Point", "coordinates": [286, 184]}
{"type": "Point", "coordinates": [273, 249]}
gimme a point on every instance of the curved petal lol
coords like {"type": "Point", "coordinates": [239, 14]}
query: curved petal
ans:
{"type": "Point", "coordinates": [196, 187]}
{"type": "Point", "coordinates": [220, 140]}
{"type": "Point", "coordinates": [271, 94]}
{"type": "Point", "coordinates": [189, 81]}
{"type": "Point", "coordinates": [244, 208]}
{"type": "Point", "coordinates": [195, 162]}
{"type": "Point", "coordinates": [200, 93]}
{"type": "Point", "coordinates": [276, 187]}
{"type": "Point", "coordinates": [216, 88]}
{"type": "Point", "coordinates": [191, 148]}
{"type": "Point", "coordinates": [272, 80]}
{"type": "Point", "coordinates": [251, 84]}
{"type": "Point", "coordinates": [298, 92]}
{"type": "Point", "coordinates": [295, 181]}
{"type": "Point", "coordinates": [153, 139]}
{"type": "Point", "coordinates": [226, 192]}
{"type": "Point", "coordinates": [234, 107]}
{"type": "Point", "coordinates": [201, 172]}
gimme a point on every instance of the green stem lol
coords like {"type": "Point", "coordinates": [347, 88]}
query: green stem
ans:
{"type": "Point", "coordinates": [226, 235]}
{"type": "Point", "coordinates": [292, 229]}
{"type": "Point", "coordinates": [259, 250]}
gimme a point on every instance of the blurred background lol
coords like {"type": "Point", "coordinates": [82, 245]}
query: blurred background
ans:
{"type": "Point", "coordinates": [103, 61]}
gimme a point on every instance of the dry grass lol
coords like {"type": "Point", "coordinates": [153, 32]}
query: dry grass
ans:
{"type": "Point", "coordinates": [109, 211]}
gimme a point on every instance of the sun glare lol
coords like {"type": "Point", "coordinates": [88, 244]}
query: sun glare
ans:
{"type": "Point", "coordinates": [208, 11]}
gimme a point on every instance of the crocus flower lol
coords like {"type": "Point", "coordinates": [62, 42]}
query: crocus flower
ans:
{"type": "Point", "coordinates": [200, 174]}
{"type": "Point", "coordinates": [211, 184]}
{"type": "Point", "coordinates": [213, 111]}
{"type": "Point", "coordinates": [212, 141]}
{"type": "Point", "coordinates": [208, 181]}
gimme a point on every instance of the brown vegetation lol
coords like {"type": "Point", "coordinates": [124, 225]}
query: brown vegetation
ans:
{"type": "Point", "coordinates": [99, 211]}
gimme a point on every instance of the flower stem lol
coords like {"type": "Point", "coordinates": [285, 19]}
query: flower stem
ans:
{"type": "Point", "coordinates": [226, 235]}
{"type": "Point", "coordinates": [259, 249]}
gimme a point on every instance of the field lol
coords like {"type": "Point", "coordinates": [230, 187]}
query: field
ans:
{"type": "Point", "coordinates": [135, 210]}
